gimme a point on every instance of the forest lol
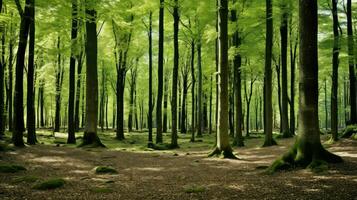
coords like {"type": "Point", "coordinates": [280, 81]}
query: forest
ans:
{"type": "Point", "coordinates": [178, 99]}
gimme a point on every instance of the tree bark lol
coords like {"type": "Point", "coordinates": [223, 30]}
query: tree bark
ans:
{"type": "Point", "coordinates": [222, 145]}
{"type": "Point", "coordinates": [160, 75]}
{"type": "Point", "coordinates": [150, 140]}
{"type": "Point", "coordinates": [199, 95]}
{"type": "Point", "coordinates": [268, 110]}
{"type": "Point", "coordinates": [352, 75]}
{"type": "Point", "coordinates": [59, 74]}
{"type": "Point", "coordinates": [90, 136]}
{"type": "Point", "coordinates": [19, 127]}
{"type": "Point", "coordinates": [193, 77]}
{"type": "Point", "coordinates": [284, 71]}
{"type": "Point", "coordinates": [175, 75]}
{"type": "Point", "coordinates": [72, 71]}
{"type": "Point", "coordinates": [335, 63]}
{"type": "Point", "coordinates": [307, 150]}
{"type": "Point", "coordinates": [2, 81]}
{"type": "Point", "coordinates": [31, 118]}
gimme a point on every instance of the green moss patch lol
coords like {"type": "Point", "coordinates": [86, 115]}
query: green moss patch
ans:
{"type": "Point", "coordinates": [101, 190]}
{"type": "Point", "coordinates": [11, 168]}
{"type": "Point", "coordinates": [318, 166]}
{"type": "Point", "coordinates": [50, 184]}
{"type": "Point", "coordinates": [105, 170]}
{"type": "Point", "coordinates": [194, 189]}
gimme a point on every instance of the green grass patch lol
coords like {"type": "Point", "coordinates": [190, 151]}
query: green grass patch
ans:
{"type": "Point", "coordinates": [11, 168]}
{"type": "Point", "coordinates": [105, 170]}
{"type": "Point", "coordinates": [194, 189]}
{"type": "Point", "coordinates": [50, 184]}
{"type": "Point", "coordinates": [101, 190]}
{"type": "Point", "coordinates": [26, 179]}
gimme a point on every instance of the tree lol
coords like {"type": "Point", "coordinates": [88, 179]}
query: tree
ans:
{"type": "Point", "coordinates": [175, 75]}
{"type": "Point", "coordinates": [2, 74]}
{"type": "Point", "coordinates": [284, 72]}
{"type": "Point", "coordinates": [237, 63]}
{"type": "Point", "coordinates": [222, 144]}
{"type": "Point", "coordinates": [335, 63]}
{"type": "Point", "coordinates": [19, 127]}
{"type": "Point", "coordinates": [72, 74]}
{"type": "Point", "coordinates": [59, 83]}
{"type": "Point", "coordinates": [268, 110]}
{"type": "Point", "coordinates": [307, 150]}
{"type": "Point", "coordinates": [352, 75]}
{"type": "Point", "coordinates": [160, 75]}
{"type": "Point", "coordinates": [90, 136]}
{"type": "Point", "coordinates": [31, 118]}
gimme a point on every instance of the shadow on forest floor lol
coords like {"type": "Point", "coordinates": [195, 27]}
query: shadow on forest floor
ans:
{"type": "Point", "coordinates": [184, 173]}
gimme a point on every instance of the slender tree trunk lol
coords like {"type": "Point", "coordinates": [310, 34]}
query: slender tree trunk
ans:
{"type": "Point", "coordinates": [222, 145]}
{"type": "Point", "coordinates": [268, 110]}
{"type": "Point", "coordinates": [284, 71]}
{"type": "Point", "coordinates": [293, 50]}
{"type": "Point", "coordinates": [307, 150]}
{"type": "Point", "coordinates": [210, 106]}
{"type": "Point", "coordinates": [90, 136]}
{"type": "Point", "coordinates": [150, 141]}
{"type": "Point", "coordinates": [160, 75]}
{"type": "Point", "coordinates": [278, 68]}
{"type": "Point", "coordinates": [58, 88]}
{"type": "Point", "coordinates": [199, 95]}
{"type": "Point", "coordinates": [193, 128]}
{"type": "Point", "coordinates": [72, 73]}
{"type": "Point", "coordinates": [183, 109]}
{"type": "Point", "coordinates": [2, 81]}
{"type": "Point", "coordinates": [352, 75]}
{"type": "Point", "coordinates": [10, 74]}
{"type": "Point", "coordinates": [326, 109]}
{"type": "Point", "coordinates": [19, 127]}
{"type": "Point", "coordinates": [238, 136]}
{"type": "Point", "coordinates": [166, 94]}
{"type": "Point", "coordinates": [31, 118]}
{"type": "Point", "coordinates": [175, 75]}
{"type": "Point", "coordinates": [78, 91]}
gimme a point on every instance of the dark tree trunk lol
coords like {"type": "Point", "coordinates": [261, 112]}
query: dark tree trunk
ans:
{"type": "Point", "coordinates": [268, 109]}
{"type": "Point", "coordinates": [210, 107]}
{"type": "Point", "coordinates": [114, 114]}
{"type": "Point", "coordinates": [237, 62]}
{"type": "Point", "coordinates": [326, 109]}
{"type": "Point", "coordinates": [2, 81]}
{"type": "Point", "coordinates": [278, 68]}
{"type": "Point", "coordinates": [31, 118]}
{"type": "Point", "coordinates": [335, 63]}
{"type": "Point", "coordinates": [352, 75]}
{"type": "Point", "coordinates": [307, 150]}
{"type": "Point", "coordinates": [19, 127]}
{"type": "Point", "coordinates": [160, 75]}
{"type": "Point", "coordinates": [10, 74]}
{"type": "Point", "coordinates": [90, 136]}
{"type": "Point", "coordinates": [293, 50]}
{"type": "Point", "coordinates": [83, 103]}
{"type": "Point", "coordinates": [175, 75]}
{"type": "Point", "coordinates": [184, 97]}
{"type": "Point", "coordinates": [120, 102]}
{"type": "Point", "coordinates": [284, 70]}
{"type": "Point", "coordinates": [59, 75]}
{"type": "Point", "coordinates": [72, 73]}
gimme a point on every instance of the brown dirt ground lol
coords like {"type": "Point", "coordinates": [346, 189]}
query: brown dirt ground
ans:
{"type": "Point", "coordinates": [160, 175]}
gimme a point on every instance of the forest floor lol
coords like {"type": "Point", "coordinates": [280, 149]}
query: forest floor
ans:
{"type": "Point", "coordinates": [184, 173]}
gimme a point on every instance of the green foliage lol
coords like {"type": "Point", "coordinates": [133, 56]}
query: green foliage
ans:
{"type": "Point", "coordinates": [11, 168]}
{"type": "Point", "coordinates": [50, 184]}
{"type": "Point", "coordinates": [105, 170]}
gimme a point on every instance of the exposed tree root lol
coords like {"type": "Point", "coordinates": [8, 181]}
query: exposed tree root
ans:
{"type": "Point", "coordinates": [305, 155]}
{"type": "Point", "coordinates": [270, 143]}
{"type": "Point", "coordinates": [91, 140]}
{"type": "Point", "coordinates": [349, 131]}
{"type": "Point", "coordinates": [228, 154]}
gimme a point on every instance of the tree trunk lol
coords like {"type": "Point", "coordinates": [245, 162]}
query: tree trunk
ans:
{"type": "Point", "coordinates": [19, 127]}
{"type": "Point", "coordinates": [284, 71]}
{"type": "Point", "coordinates": [199, 95]}
{"type": "Point", "coordinates": [2, 81]}
{"type": "Point", "coordinates": [72, 73]}
{"type": "Point", "coordinates": [90, 136]}
{"type": "Point", "coordinates": [150, 141]}
{"type": "Point", "coordinates": [10, 74]}
{"type": "Point", "coordinates": [268, 110]}
{"type": "Point", "coordinates": [326, 109]}
{"type": "Point", "coordinates": [210, 106]}
{"type": "Point", "coordinates": [193, 128]}
{"type": "Point", "coordinates": [222, 145]}
{"type": "Point", "coordinates": [183, 109]}
{"type": "Point", "coordinates": [307, 151]}
{"type": "Point", "coordinates": [238, 136]}
{"type": "Point", "coordinates": [58, 88]}
{"type": "Point", "coordinates": [31, 118]}
{"type": "Point", "coordinates": [166, 94]}
{"type": "Point", "coordinates": [293, 50]}
{"type": "Point", "coordinates": [160, 75]}
{"type": "Point", "coordinates": [175, 75]}
{"type": "Point", "coordinates": [78, 91]}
